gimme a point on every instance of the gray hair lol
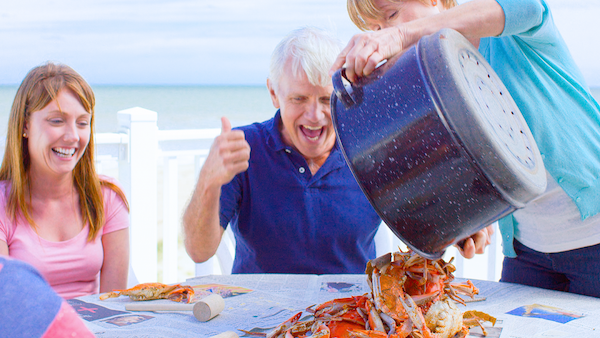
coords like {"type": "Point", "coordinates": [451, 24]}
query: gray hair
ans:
{"type": "Point", "coordinates": [311, 49]}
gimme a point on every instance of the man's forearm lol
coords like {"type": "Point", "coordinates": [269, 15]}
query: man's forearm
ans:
{"type": "Point", "coordinates": [201, 225]}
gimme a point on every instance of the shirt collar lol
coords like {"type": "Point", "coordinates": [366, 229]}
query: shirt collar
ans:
{"type": "Point", "coordinates": [274, 139]}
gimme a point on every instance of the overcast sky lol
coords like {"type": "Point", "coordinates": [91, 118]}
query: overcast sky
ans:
{"type": "Point", "coordinates": [201, 41]}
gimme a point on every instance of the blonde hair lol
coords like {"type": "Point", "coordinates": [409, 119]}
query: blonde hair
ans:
{"type": "Point", "coordinates": [38, 89]}
{"type": "Point", "coordinates": [361, 11]}
{"type": "Point", "coordinates": [310, 49]}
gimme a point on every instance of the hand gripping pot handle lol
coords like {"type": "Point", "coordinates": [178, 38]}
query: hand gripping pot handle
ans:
{"type": "Point", "coordinates": [344, 90]}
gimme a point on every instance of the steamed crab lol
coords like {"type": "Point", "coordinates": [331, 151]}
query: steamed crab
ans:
{"type": "Point", "coordinates": [410, 296]}
{"type": "Point", "coordinates": [149, 291]}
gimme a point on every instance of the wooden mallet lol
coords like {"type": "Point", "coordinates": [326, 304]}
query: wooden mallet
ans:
{"type": "Point", "coordinates": [204, 310]}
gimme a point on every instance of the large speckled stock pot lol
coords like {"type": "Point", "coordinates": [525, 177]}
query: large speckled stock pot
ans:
{"type": "Point", "coordinates": [436, 142]}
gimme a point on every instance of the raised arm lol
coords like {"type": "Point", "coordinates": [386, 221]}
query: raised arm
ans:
{"type": "Point", "coordinates": [228, 157]}
{"type": "Point", "coordinates": [474, 19]}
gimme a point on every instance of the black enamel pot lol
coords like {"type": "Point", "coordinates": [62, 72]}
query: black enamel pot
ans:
{"type": "Point", "coordinates": [436, 143]}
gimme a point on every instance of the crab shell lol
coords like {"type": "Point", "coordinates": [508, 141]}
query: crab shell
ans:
{"type": "Point", "coordinates": [444, 318]}
{"type": "Point", "coordinates": [150, 291]}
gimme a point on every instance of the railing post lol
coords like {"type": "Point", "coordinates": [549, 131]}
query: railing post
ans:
{"type": "Point", "coordinates": [170, 222]}
{"type": "Point", "coordinates": [138, 176]}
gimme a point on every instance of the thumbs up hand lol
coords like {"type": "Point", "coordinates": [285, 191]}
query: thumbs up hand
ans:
{"type": "Point", "coordinates": [228, 156]}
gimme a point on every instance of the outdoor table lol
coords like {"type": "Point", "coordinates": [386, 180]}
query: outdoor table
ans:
{"type": "Point", "coordinates": [259, 302]}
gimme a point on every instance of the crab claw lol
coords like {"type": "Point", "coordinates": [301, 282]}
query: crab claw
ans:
{"type": "Point", "coordinates": [321, 332]}
{"type": "Point", "coordinates": [283, 327]}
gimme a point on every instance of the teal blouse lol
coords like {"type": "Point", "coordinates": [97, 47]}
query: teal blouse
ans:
{"type": "Point", "coordinates": [535, 65]}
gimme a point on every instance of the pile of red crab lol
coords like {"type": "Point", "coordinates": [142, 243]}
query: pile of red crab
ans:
{"type": "Point", "coordinates": [410, 296]}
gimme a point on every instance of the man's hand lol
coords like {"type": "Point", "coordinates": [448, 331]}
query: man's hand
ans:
{"type": "Point", "coordinates": [476, 243]}
{"type": "Point", "coordinates": [229, 155]}
{"type": "Point", "coordinates": [365, 51]}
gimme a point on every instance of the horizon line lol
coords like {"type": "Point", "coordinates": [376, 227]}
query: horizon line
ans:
{"type": "Point", "coordinates": [186, 85]}
{"type": "Point", "coordinates": [163, 84]}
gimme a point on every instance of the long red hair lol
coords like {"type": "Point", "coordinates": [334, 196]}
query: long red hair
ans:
{"type": "Point", "coordinates": [40, 87]}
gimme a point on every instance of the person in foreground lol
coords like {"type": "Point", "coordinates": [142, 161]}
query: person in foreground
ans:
{"type": "Point", "coordinates": [292, 202]}
{"type": "Point", "coordinates": [29, 308]}
{"type": "Point", "coordinates": [56, 213]}
{"type": "Point", "coordinates": [554, 241]}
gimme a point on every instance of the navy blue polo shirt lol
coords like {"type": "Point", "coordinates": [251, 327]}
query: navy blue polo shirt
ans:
{"type": "Point", "coordinates": [286, 220]}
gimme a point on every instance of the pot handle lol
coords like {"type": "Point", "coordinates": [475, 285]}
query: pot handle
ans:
{"type": "Point", "coordinates": [345, 90]}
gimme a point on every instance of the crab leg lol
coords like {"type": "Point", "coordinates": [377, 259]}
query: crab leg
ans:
{"type": "Point", "coordinates": [375, 322]}
{"type": "Point", "coordinates": [466, 288]}
{"type": "Point", "coordinates": [283, 327]}
{"type": "Point", "coordinates": [390, 322]}
{"type": "Point", "coordinates": [321, 332]}
{"type": "Point", "coordinates": [367, 334]}
{"type": "Point", "coordinates": [182, 294]}
{"type": "Point", "coordinates": [423, 299]}
{"type": "Point", "coordinates": [415, 315]}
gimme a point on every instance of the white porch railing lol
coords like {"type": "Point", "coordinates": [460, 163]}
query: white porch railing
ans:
{"type": "Point", "coordinates": [134, 156]}
{"type": "Point", "coordinates": [137, 150]}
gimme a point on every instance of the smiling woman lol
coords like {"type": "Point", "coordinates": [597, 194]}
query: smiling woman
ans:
{"type": "Point", "coordinates": [56, 213]}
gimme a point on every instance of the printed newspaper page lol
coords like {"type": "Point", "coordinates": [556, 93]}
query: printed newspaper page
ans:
{"type": "Point", "coordinates": [258, 303]}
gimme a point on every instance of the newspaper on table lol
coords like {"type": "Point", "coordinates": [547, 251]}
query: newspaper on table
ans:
{"type": "Point", "coordinates": [259, 302]}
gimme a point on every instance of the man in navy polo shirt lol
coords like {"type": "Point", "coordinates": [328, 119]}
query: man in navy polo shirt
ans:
{"type": "Point", "coordinates": [292, 201]}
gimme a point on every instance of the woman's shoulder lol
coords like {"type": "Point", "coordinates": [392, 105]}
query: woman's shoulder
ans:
{"type": "Point", "coordinates": [116, 207]}
{"type": "Point", "coordinates": [110, 187]}
{"type": "Point", "coordinates": [109, 179]}
{"type": "Point", "coordinates": [109, 182]}
{"type": "Point", "coordinates": [528, 19]}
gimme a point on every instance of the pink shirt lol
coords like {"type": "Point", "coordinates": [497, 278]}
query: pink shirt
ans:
{"type": "Point", "coordinates": [71, 267]}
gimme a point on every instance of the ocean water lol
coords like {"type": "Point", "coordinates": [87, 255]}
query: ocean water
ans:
{"type": "Point", "coordinates": [178, 107]}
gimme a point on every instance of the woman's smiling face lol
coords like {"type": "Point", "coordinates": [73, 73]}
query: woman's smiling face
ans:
{"type": "Point", "coordinates": [58, 135]}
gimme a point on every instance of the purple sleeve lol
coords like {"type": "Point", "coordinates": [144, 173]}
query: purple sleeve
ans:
{"type": "Point", "coordinates": [28, 306]}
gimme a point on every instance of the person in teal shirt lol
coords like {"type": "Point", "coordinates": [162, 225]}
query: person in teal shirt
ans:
{"type": "Point", "coordinates": [553, 242]}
